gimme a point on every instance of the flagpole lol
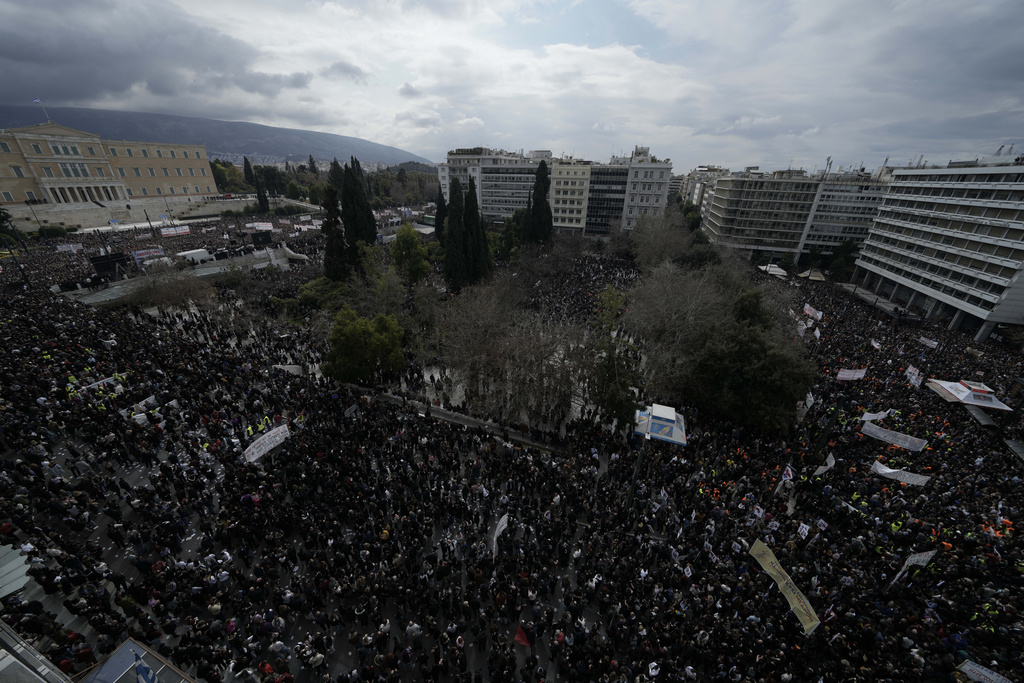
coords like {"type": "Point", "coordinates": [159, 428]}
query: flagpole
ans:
{"type": "Point", "coordinates": [40, 103]}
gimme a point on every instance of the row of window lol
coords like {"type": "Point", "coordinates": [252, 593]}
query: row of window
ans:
{"type": "Point", "coordinates": [71, 149]}
{"type": "Point", "coordinates": [966, 228]}
{"type": "Point", "coordinates": [170, 190]}
{"type": "Point", "coordinates": [962, 261]}
{"type": "Point", "coordinates": [649, 175]}
{"type": "Point", "coordinates": [80, 170]}
{"type": "Point", "coordinates": [152, 172]}
{"type": "Point", "coordinates": [159, 153]}
{"type": "Point", "coordinates": [962, 178]}
{"type": "Point", "coordinates": [961, 294]}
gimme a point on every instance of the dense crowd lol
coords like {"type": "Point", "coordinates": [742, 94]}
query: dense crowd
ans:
{"type": "Point", "coordinates": [367, 547]}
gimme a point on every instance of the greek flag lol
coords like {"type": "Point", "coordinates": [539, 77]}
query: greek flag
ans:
{"type": "Point", "coordinates": [143, 674]}
{"type": "Point", "coordinates": [36, 101]}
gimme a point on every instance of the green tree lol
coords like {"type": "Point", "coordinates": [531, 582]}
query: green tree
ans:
{"type": "Point", "coordinates": [410, 255]}
{"type": "Point", "coordinates": [312, 169]}
{"type": "Point", "coordinates": [336, 257]}
{"type": "Point", "coordinates": [363, 350]}
{"type": "Point", "coordinates": [293, 191]}
{"type": "Point", "coordinates": [261, 194]}
{"type": "Point", "coordinates": [541, 221]}
{"type": "Point", "coordinates": [440, 216]}
{"type": "Point", "coordinates": [7, 222]}
{"type": "Point", "coordinates": [250, 177]}
{"type": "Point", "coordinates": [479, 261]}
{"type": "Point", "coordinates": [356, 214]}
{"type": "Point", "coordinates": [455, 266]}
{"type": "Point", "coordinates": [336, 178]}
{"type": "Point", "coordinates": [615, 372]}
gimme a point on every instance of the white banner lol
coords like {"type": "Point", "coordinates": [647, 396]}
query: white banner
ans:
{"type": "Point", "coordinates": [895, 438]}
{"type": "Point", "coordinates": [930, 343]}
{"type": "Point", "coordinates": [69, 247]}
{"type": "Point", "coordinates": [266, 443]}
{"type": "Point", "coordinates": [976, 672]}
{"type": "Point", "coordinates": [845, 374]}
{"type": "Point", "coordinates": [900, 475]}
{"type": "Point", "coordinates": [817, 333]}
{"type": "Point", "coordinates": [809, 399]}
{"type": "Point", "coordinates": [501, 526]}
{"type": "Point", "coordinates": [914, 375]}
{"type": "Point", "coordinates": [830, 462]}
{"type": "Point", "coordinates": [813, 312]}
{"type": "Point", "coordinates": [868, 417]}
{"type": "Point", "coordinates": [876, 345]}
{"type": "Point", "coordinates": [797, 601]}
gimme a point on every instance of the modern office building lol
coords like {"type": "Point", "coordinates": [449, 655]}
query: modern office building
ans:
{"type": "Point", "coordinates": [53, 164]}
{"type": "Point", "coordinates": [949, 243]}
{"type": "Point", "coordinates": [586, 197]}
{"type": "Point", "coordinates": [788, 213]}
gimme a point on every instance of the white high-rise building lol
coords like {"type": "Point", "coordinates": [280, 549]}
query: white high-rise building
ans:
{"type": "Point", "coordinates": [949, 243]}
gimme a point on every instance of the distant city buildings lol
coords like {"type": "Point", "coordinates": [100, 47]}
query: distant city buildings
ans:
{"type": "Point", "coordinates": [949, 243]}
{"type": "Point", "coordinates": [585, 197]}
{"type": "Point", "coordinates": [784, 214]}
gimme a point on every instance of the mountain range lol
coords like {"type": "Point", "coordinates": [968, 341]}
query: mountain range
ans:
{"type": "Point", "coordinates": [229, 140]}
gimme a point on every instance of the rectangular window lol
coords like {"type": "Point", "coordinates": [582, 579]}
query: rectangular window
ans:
{"type": "Point", "coordinates": [172, 154]}
{"type": "Point", "coordinates": [120, 172]}
{"type": "Point", "coordinates": [184, 190]}
{"type": "Point", "coordinates": [47, 171]}
{"type": "Point", "coordinates": [137, 172]}
{"type": "Point", "coordinates": [159, 154]}
{"type": "Point", "coordinates": [130, 194]}
{"type": "Point", "coordinates": [145, 153]}
{"type": "Point", "coordinates": [91, 150]}
{"type": "Point", "coordinates": [8, 197]}
{"type": "Point", "coordinates": [74, 149]}
{"type": "Point", "coordinates": [130, 152]}
{"type": "Point", "coordinates": [36, 148]}
{"type": "Point", "coordinates": [5, 148]}
{"type": "Point", "coordinates": [100, 172]}
{"type": "Point", "coordinates": [196, 189]}
{"type": "Point", "coordinates": [64, 148]}
{"type": "Point", "coordinates": [18, 173]}
{"type": "Point", "coordinates": [55, 147]}
{"type": "Point", "coordinates": [184, 153]}
{"type": "Point", "coordinates": [152, 173]}
{"type": "Point", "coordinates": [145, 192]}
{"type": "Point", "coordinates": [192, 171]}
{"type": "Point", "coordinates": [178, 170]}
{"type": "Point", "coordinates": [84, 170]}
{"type": "Point", "coordinates": [202, 172]}
{"type": "Point", "coordinates": [198, 155]}
{"type": "Point", "coordinates": [159, 190]}
{"type": "Point", "coordinates": [30, 195]}
{"type": "Point", "coordinates": [113, 152]}
{"type": "Point", "coordinates": [166, 172]}
{"type": "Point", "coordinates": [208, 189]}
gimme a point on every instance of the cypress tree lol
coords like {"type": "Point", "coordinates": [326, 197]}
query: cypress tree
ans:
{"type": "Point", "coordinates": [336, 177]}
{"type": "Point", "coordinates": [312, 167]}
{"type": "Point", "coordinates": [440, 216]}
{"type": "Point", "coordinates": [356, 214]}
{"type": "Point", "coordinates": [541, 219]}
{"type": "Point", "coordinates": [455, 251]}
{"type": "Point", "coordinates": [247, 172]}
{"type": "Point", "coordinates": [478, 253]}
{"type": "Point", "coordinates": [336, 263]}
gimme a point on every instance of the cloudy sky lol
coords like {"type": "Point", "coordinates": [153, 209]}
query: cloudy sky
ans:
{"type": "Point", "coordinates": [728, 82]}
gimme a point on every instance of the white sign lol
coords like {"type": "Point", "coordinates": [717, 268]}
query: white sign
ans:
{"type": "Point", "coordinates": [869, 417]}
{"type": "Point", "coordinates": [845, 374]}
{"type": "Point", "coordinates": [814, 313]}
{"type": "Point", "coordinates": [914, 375]}
{"type": "Point", "coordinates": [876, 345]}
{"type": "Point", "coordinates": [736, 547]}
{"type": "Point", "coordinates": [803, 530]}
{"type": "Point", "coordinates": [976, 672]}
{"type": "Point", "coordinates": [266, 443]}
{"type": "Point", "coordinates": [895, 438]}
{"type": "Point", "coordinates": [930, 343]}
{"type": "Point", "coordinates": [502, 525]}
{"type": "Point", "coordinates": [830, 462]}
{"type": "Point", "coordinates": [900, 475]}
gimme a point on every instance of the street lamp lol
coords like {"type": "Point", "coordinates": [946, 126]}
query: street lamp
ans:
{"type": "Point", "coordinates": [32, 209]}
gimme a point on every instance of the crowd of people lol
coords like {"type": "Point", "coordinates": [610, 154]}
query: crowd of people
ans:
{"type": "Point", "coordinates": [379, 543]}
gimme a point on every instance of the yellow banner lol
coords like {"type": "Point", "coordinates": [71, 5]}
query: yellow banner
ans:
{"type": "Point", "coordinates": [797, 600]}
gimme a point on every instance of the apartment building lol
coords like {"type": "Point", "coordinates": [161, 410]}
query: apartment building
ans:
{"type": "Point", "coordinates": [949, 243]}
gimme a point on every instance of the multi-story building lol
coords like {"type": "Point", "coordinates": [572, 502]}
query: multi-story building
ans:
{"type": "Point", "coordinates": [585, 197]}
{"type": "Point", "coordinates": [53, 164]}
{"type": "Point", "coordinates": [787, 213]}
{"type": "Point", "coordinates": [949, 242]}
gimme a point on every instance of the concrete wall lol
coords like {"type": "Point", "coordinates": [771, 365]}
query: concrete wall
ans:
{"type": "Point", "coordinates": [83, 215]}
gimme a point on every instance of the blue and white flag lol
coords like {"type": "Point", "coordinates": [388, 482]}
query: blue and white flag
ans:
{"type": "Point", "coordinates": [143, 674]}
{"type": "Point", "coordinates": [36, 101]}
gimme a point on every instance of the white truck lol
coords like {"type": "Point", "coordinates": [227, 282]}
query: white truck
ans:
{"type": "Point", "coordinates": [196, 256]}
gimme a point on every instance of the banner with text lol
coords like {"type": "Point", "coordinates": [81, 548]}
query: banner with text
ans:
{"type": "Point", "coordinates": [911, 443]}
{"type": "Point", "coordinates": [976, 672]}
{"type": "Point", "coordinates": [914, 375]}
{"type": "Point", "coordinates": [846, 374]}
{"type": "Point", "coordinates": [830, 462]}
{"type": "Point", "coordinates": [813, 312]}
{"type": "Point", "coordinates": [174, 231]}
{"type": "Point", "coordinates": [797, 601]}
{"type": "Point", "coordinates": [870, 417]}
{"type": "Point", "coordinates": [498, 529]}
{"type": "Point", "coordinates": [266, 443]}
{"type": "Point", "coordinates": [930, 343]}
{"type": "Point", "coordinates": [900, 475]}
{"type": "Point", "coordinates": [920, 559]}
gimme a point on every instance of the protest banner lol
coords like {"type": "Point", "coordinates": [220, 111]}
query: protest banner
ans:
{"type": "Point", "coordinates": [73, 248]}
{"type": "Point", "coordinates": [930, 343]}
{"type": "Point", "coordinates": [498, 529]}
{"type": "Point", "coordinates": [914, 375]}
{"type": "Point", "coordinates": [900, 475]}
{"type": "Point", "coordinates": [868, 417]}
{"type": "Point", "coordinates": [845, 374]}
{"type": "Point", "coordinates": [175, 231]}
{"type": "Point", "coordinates": [876, 345]}
{"type": "Point", "coordinates": [911, 443]}
{"type": "Point", "coordinates": [266, 443]}
{"type": "Point", "coordinates": [830, 462]}
{"type": "Point", "coordinates": [797, 601]}
{"type": "Point", "coordinates": [813, 312]}
{"type": "Point", "coordinates": [921, 559]}
{"type": "Point", "coordinates": [976, 672]}
{"type": "Point", "coordinates": [803, 530]}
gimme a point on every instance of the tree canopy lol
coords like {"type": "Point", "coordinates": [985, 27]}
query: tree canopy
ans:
{"type": "Point", "coordinates": [364, 350]}
{"type": "Point", "coordinates": [410, 255]}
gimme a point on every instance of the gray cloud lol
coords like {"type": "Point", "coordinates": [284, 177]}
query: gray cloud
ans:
{"type": "Point", "coordinates": [419, 119]}
{"type": "Point", "coordinates": [409, 90]}
{"type": "Point", "coordinates": [345, 70]}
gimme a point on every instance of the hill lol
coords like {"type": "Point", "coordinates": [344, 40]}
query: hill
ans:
{"type": "Point", "coordinates": [230, 140]}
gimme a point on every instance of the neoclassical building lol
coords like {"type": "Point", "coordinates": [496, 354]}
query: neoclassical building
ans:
{"type": "Point", "coordinates": [52, 164]}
